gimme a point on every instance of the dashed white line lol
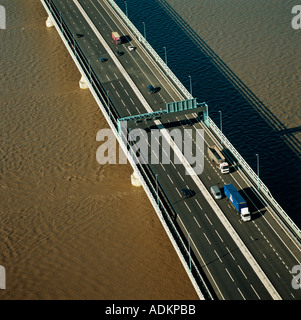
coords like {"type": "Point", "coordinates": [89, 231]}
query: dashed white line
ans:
{"type": "Point", "coordinates": [229, 275]}
{"type": "Point", "coordinates": [230, 253]}
{"type": "Point", "coordinates": [197, 222]}
{"type": "Point", "coordinates": [218, 256]}
{"type": "Point", "coordinates": [206, 238]}
{"type": "Point", "coordinates": [170, 178]}
{"type": "Point", "coordinates": [208, 219]}
{"type": "Point", "coordinates": [255, 292]}
{"type": "Point", "coordinates": [241, 293]}
{"type": "Point", "coordinates": [162, 166]}
{"type": "Point", "coordinates": [155, 154]}
{"type": "Point", "coordinates": [219, 236]}
{"type": "Point", "coordinates": [242, 272]}
{"type": "Point", "coordinates": [198, 204]}
{"type": "Point", "coordinates": [187, 206]}
{"type": "Point", "coordinates": [179, 175]}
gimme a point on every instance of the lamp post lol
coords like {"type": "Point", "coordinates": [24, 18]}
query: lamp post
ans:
{"type": "Point", "coordinates": [126, 9]}
{"type": "Point", "coordinates": [144, 30]}
{"type": "Point", "coordinates": [257, 156]}
{"type": "Point", "coordinates": [221, 125]}
{"type": "Point", "coordinates": [165, 53]}
{"type": "Point", "coordinates": [190, 82]}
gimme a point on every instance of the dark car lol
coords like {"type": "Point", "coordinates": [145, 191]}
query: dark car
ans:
{"type": "Point", "coordinates": [102, 59]}
{"type": "Point", "coordinates": [152, 89]}
{"type": "Point", "coordinates": [186, 193]}
{"type": "Point", "coordinates": [119, 53]}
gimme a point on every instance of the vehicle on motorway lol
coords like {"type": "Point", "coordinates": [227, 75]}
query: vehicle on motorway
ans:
{"type": "Point", "coordinates": [119, 53]}
{"type": "Point", "coordinates": [187, 193]}
{"type": "Point", "coordinates": [151, 89]}
{"type": "Point", "coordinates": [131, 48]}
{"type": "Point", "coordinates": [116, 37]}
{"type": "Point", "coordinates": [215, 191]}
{"type": "Point", "coordinates": [219, 159]}
{"type": "Point", "coordinates": [238, 202]}
{"type": "Point", "coordinates": [102, 59]}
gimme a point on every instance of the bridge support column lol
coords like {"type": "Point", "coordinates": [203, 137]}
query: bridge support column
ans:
{"type": "Point", "coordinates": [82, 83]}
{"type": "Point", "coordinates": [135, 180]}
{"type": "Point", "coordinates": [49, 23]}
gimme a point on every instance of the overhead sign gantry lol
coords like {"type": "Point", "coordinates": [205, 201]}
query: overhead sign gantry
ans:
{"type": "Point", "coordinates": [181, 107]}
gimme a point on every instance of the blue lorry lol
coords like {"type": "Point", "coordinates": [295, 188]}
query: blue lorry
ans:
{"type": "Point", "coordinates": [238, 202]}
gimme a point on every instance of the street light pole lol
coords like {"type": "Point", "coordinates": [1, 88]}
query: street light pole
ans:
{"type": "Point", "coordinates": [257, 156]}
{"type": "Point", "coordinates": [144, 30]}
{"type": "Point", "coordinates": [190, 81]}
{"type": "Point", "coordinates": [126, 9]}
{"type": "Point", "coordinates": [221, 126]}
{"type": "Point", "coordinates": [165, 52]}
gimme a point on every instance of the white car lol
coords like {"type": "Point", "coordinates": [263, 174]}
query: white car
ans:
{"type": "Point", "coordinates": [131, 48]}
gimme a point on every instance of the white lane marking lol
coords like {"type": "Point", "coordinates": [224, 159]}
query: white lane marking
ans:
{"type": "Point", "coordinates": [218, 256]}
{"type": "Point", "coordinates": [230, 253]}
{"type": "Point", "coordinates": [219, 236]}
{"type": "Point", "coordinates": [255, 292]}
{"type": "Point", "coordinates": [229, 275]}
{"type": "Point", "coordinates": [170, 178]}
{"type": "Point", "coordinates": [206, 237]}
{"type": "Point", "coordinates": [198, 204]}
{"type": "Point", "coordinates": [196, 222]}
{"type": "Point", "coordinates": [242, 271]}
{"type": "Point", "coordinates": [208, 219]}
{"type": "Point", "coordinates": [187, 206]}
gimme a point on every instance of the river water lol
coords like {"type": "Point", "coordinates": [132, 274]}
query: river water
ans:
{"type": "Point", "coordinates": [72, 229]}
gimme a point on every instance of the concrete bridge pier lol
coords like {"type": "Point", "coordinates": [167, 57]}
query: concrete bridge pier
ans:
{"type": "Point", "coordinates": [49, 23]}
{"type": "Point", "coordinates": [83, 83]}
{"type": "Point", "coordinates": [135, 179]}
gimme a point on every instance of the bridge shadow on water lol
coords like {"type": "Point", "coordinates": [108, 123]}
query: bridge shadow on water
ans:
{"type": "Point", "coordinates": [247, 122]}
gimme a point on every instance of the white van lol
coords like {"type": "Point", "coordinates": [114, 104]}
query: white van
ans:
{"type": "Point", "coordinates": [215, 191]}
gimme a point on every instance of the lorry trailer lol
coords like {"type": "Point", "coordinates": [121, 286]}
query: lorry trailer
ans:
{"type": "Point", "coordinates": [116, 37]}
{"type": "Point", "coordinates": [219, 159]}
{"type": "Point", "coordinates": [238, 202]}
